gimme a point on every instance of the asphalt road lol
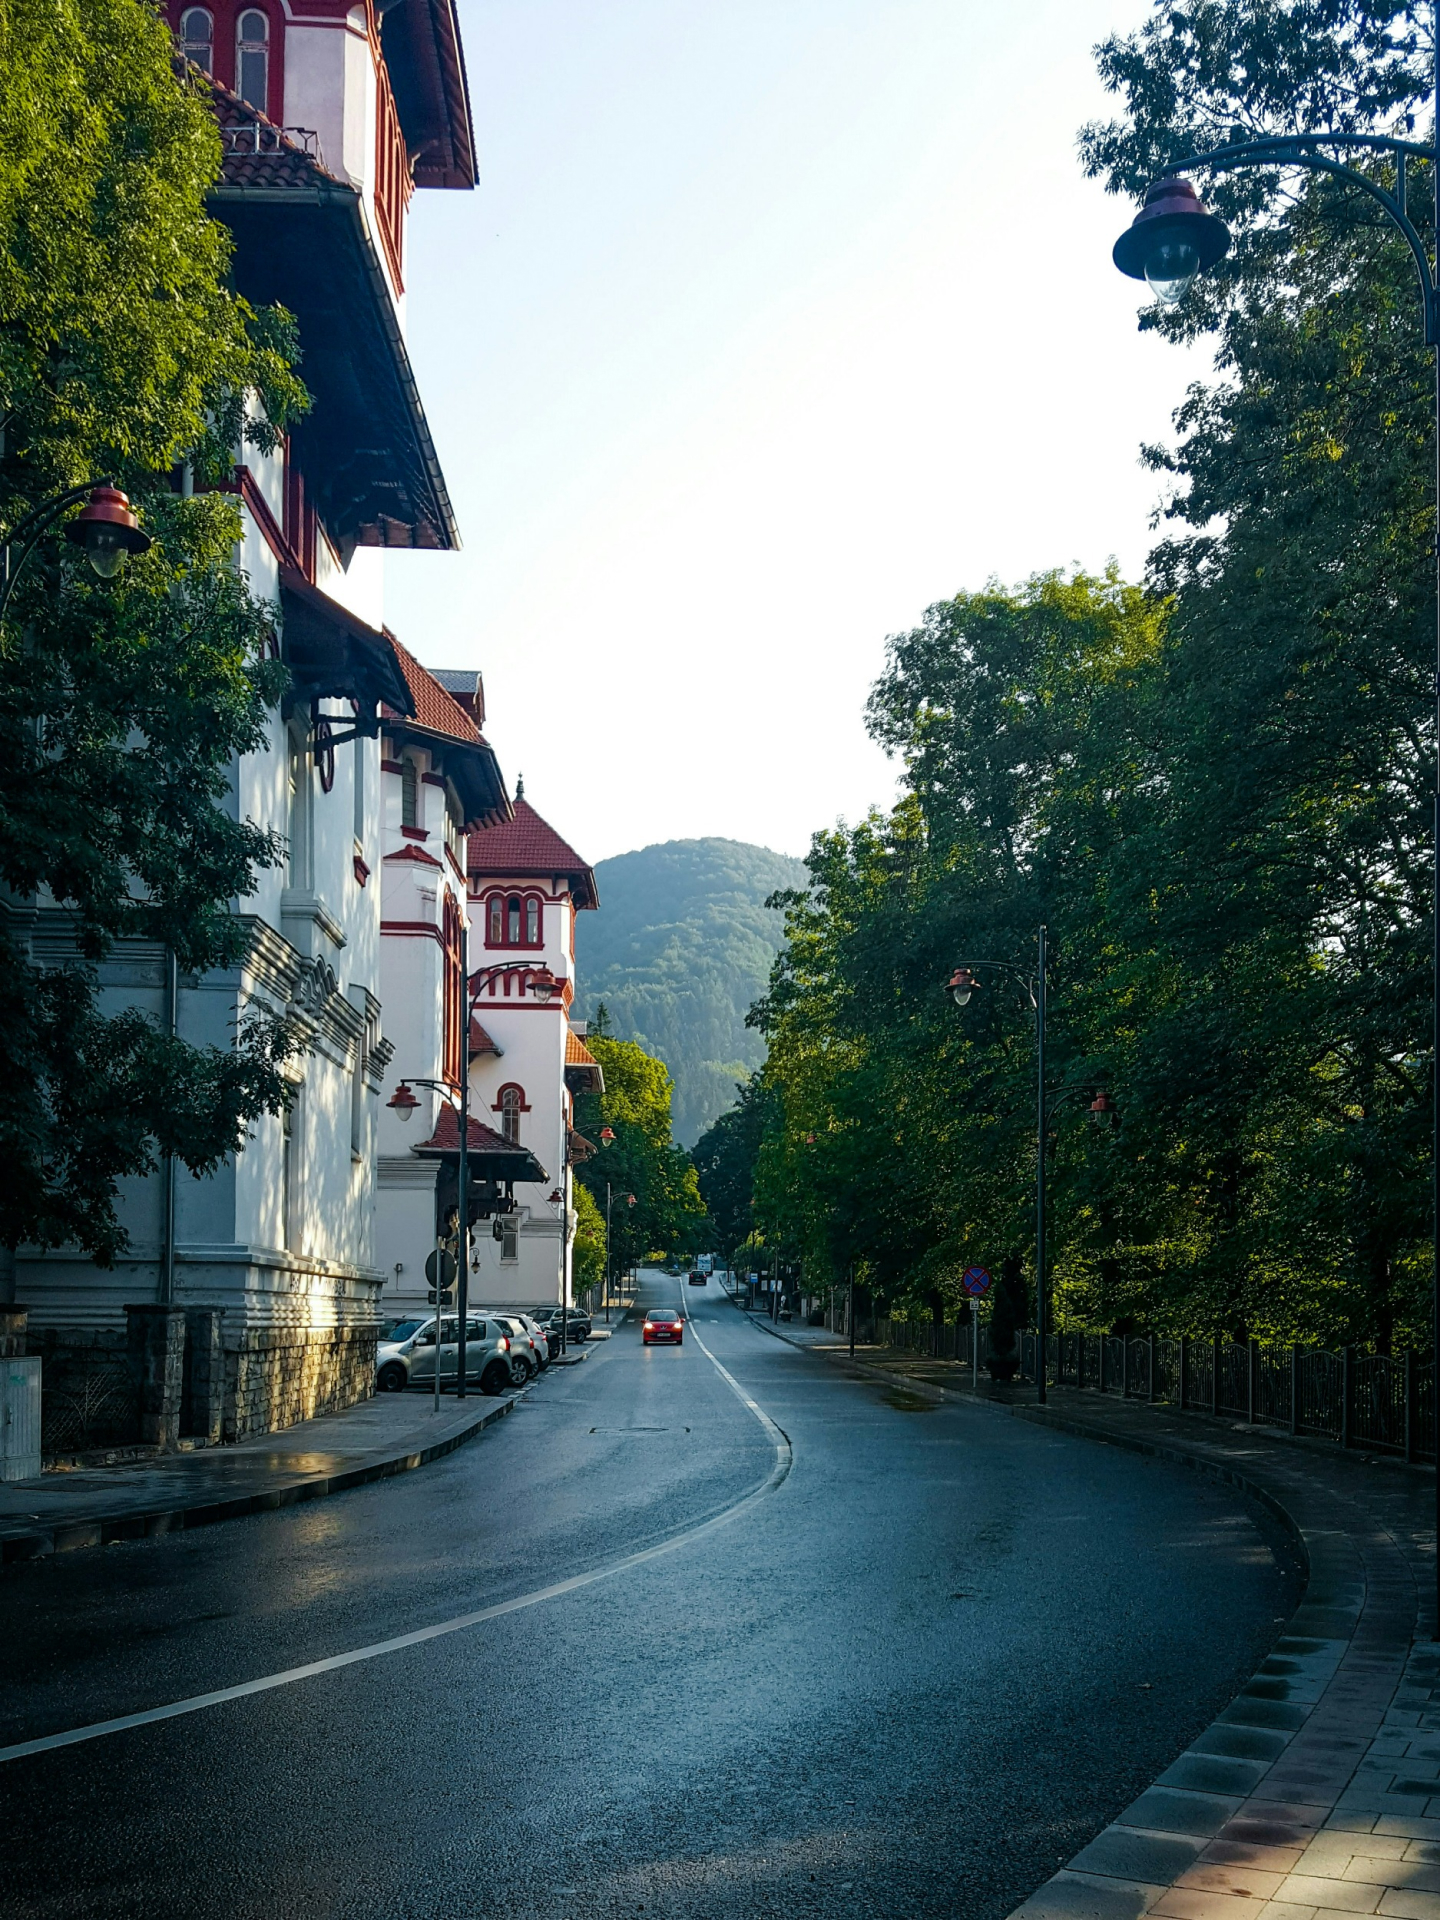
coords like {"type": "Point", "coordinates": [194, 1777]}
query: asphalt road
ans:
{"type": "Point", "coordinates": [912, 1675]}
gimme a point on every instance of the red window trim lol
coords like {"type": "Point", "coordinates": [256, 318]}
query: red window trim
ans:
{"type": "Point", "coordinates": [505, 894]}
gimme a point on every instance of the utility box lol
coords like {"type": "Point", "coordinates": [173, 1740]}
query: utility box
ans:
{"type": "Point", "coordinates": [20, 1418]}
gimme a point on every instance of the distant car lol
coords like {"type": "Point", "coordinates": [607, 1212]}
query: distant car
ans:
{"type": "Point", "coordinates": [663, 1323]}
{"type": "Point", "coordinates": [696, 1279]}
{"type": "Point", "coordinates": [406, 1356]}
{"type": "Point", "coordinates": [577, 1327]}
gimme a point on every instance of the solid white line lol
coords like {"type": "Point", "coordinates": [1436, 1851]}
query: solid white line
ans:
{"type": "Point", "coordinates": [173, 1711]}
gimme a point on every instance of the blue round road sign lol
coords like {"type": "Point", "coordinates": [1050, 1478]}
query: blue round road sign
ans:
{"type": "Point", "coordinates": [976, 1282]}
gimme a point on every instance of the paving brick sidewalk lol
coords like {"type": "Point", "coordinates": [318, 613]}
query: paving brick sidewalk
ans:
{"type": "Point", "coordinates": [1316, 1793]}
{"type": "Point", "coordinates": [391, 1433]}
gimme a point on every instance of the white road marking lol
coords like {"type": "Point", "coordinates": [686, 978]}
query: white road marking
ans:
{"type": "Point", "coordinates": [74, 1736]}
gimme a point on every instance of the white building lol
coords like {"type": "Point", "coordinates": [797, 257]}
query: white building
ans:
{"type": "Point", "coordinates": [525, 886]}
{"type": "Point", "coordinates": [253, 1298]}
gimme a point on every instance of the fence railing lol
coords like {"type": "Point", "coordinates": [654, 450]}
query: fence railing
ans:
{"type": "Point", "coordinates": [1384, 1403]}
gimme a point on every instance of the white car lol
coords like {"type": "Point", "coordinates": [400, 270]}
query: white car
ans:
{"type": "Point", "coordinates": [406, 1355]}
{"type": "Point", "coordinates": [526, 1345]}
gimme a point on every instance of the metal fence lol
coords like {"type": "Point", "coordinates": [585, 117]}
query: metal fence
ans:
{"type": "Point", "coordinates": [1384, 1403]}
{"type": "Point", "coordinates": [88, 1400]}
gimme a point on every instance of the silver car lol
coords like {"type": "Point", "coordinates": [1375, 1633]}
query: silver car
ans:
{"type": "Point", "coordinates": [406, 1355]}
{"type": "Point", "coordinates": [528, 1345]}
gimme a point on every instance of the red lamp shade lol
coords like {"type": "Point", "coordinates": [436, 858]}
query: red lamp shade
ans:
{"type": "Point", "coordinates": [962, 984]}
{"type": "Point", "coordinates": [607, 1135]}
{"type": "Point", "coordinates": [402, 1102]}
{"type": "Point", "coordinates": [1171, 239]}
{"type": "Point", "coordinates": [106, 530]}
{"type": "Point", "coordinates": [1103, 1111]}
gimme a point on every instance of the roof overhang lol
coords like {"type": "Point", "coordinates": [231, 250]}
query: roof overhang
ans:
{"type": "Point", "coordinates": [426, 64]}
{"type": "Point", "coordinates": [470, 765]}
{"type": "Point", "coordinates": [365, 447]}
{"type": "Point", "coordinates": [333, 655]}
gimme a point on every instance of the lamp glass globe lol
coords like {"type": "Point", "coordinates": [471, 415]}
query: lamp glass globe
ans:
{"type": "Point", "coordinates": [1170, 268]}
{"type": "Point", "coordinates": [105, 550]}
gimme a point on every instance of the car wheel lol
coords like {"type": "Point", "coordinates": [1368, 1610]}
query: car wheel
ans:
{"type": "Point", "coordinates": [519, 1374]}
{"type": "Point", "coordinates": [495, 1378]}
{"type": "Point", "coordinates": [391, 1378]}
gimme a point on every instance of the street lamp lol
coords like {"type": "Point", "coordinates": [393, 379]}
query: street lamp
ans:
{"type": "Point", "coordinates": [1173, 238]}
{"type": "Point", "coordinates": [106, 530]}
{"type": "Point", "coordinates": [962, 987]}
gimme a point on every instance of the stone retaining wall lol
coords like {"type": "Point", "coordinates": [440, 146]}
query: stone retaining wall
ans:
{"type": "Point", "coordinates": [276, 1376]}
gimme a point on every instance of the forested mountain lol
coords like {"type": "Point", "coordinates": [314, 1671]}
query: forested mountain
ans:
{"type": "Point", "coordinates": [679, 948]}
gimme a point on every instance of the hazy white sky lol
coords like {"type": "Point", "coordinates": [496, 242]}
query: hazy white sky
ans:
{"type": "Point", "coordinates": [771, 323]}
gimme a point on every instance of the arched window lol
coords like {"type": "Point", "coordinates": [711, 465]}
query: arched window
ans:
{"type": "Point", "coordinates": [252, 58]}
{"type": "Point", "coordinates": [197, 37]}
{"type": "Point", "coordinates": [514, 920]}
{"type": "Point", "coordinates": [511, 1102]}
{"type": "Point", "coordinates": [452, 1064]}
{"type": "Point", "coordinates": [409, 793]}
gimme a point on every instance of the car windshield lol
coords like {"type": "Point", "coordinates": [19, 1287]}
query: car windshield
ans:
{"type": "Point", "coordinates": [404, 1330]}
{"type": "Point", "coordinates": [662, 1319]}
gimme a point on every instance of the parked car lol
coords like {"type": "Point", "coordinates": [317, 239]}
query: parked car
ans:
{"type": "Point", "coordinates": [578, 1323]}
{"type": "Point", "coordinates": [525, 1346]}
{"type": "Point", "coordinates": [406, 1356]}
{"type": "Point", "coordinates": [540, 1337]}
{"type": "Point", "coordinates": [663, 1323]}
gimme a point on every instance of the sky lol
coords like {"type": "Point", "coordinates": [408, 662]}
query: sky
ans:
{"type": "Point", "coordinates": [771, 323]}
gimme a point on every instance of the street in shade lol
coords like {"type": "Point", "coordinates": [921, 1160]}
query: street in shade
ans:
{"type": "Point", "coordinates": [721, 1630]}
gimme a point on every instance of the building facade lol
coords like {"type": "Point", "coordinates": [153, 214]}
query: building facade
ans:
{"type": "Point", "coordinates": [524, 886]}
{"type": "Point", "coordinates": [253, 1298]}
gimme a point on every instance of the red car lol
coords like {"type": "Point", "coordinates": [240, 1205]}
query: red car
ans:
{"type": "Point", "coordinates": [663, 1323]}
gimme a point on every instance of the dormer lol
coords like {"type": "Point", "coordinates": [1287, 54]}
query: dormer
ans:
{"type": "Point", "coordinates": [375, 92]}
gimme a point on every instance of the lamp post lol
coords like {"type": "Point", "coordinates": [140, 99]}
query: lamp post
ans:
{"type": "Point", "coordinates": [962, 987]}
{"type": "Point", "coordinates": [607, 1139]}
{"type": "Point", "coordinates": [106, 530]}
{"type": "Point", "coordinates": [1172, 239]}
{"type": "Point", "coordinates": [543, 985]}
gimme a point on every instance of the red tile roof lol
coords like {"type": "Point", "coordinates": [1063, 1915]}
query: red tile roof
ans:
{"type": "Point", "coordinates": [480, 1041]}
{"type": "Point", "coordinates": [257, 152]}
{"type": "Point", "coordinates": [528, 846]}
{"type": "Point", "coordinates": [577, 1054]}
{"type": "Point", "coordinates": [435, 709]}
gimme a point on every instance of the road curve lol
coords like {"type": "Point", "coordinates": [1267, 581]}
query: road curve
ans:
{"type": "Point", "coordinates": [702, 1632]}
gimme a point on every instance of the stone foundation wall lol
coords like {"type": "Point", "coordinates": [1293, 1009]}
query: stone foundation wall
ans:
{"type": "Point", "coordinates": [89, 1395]}
{"type": "Point", "coordinates": [277, 1376]}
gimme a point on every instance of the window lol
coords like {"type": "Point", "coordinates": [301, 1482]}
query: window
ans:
{"type": "Point", "coordinates": [514, 920]}
{"type": "Point", "coordinates": [290, 1171]}
{"type": "Point", "coordinates": [509, 1239]}
{"type": "Point", "coordinates": [297, 822]}
{"type": "Point", "coordinates": [454, 836]}
{"type": "Point", "coordinates": [511, 1105]}
{"type": "Point", "coordinates": [197, 38]}
{"type": "Point", "coordinates": [252, 59]}
{"type": "Point", "coordinates": [453, 997]}
{"type": "Point", "coordinates": [361, 746]}
{"type": "Point", "coordinates": [409, 793]}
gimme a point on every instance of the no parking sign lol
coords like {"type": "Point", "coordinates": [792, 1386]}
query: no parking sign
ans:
{"type": "Point", "coordinates": [976, 1282]}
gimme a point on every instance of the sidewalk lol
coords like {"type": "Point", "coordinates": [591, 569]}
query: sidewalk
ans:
{"type": "Point", "coordinates": [391, 1433]}
{"type": "Point", "coordinates": [1316, 1793]}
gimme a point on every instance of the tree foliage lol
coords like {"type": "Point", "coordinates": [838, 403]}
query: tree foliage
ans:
{"type": "Point", "coordinates": [122, 704]}
{"type": "Point", "coordinates": [642, 1160]}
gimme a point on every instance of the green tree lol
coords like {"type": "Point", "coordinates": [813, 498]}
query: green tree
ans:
{"type": "Point", "coordinates": [642, 1159]}
{"type": "Point", "coordinates": [726, 1157]}
{"type": "Point", "coordinates": [588, 1254]}
{"type": "Point", "coordinates": [122, 705]}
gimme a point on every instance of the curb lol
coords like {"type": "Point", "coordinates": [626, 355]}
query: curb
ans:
{"type": "Point", "coordinates": [70, 1535]}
